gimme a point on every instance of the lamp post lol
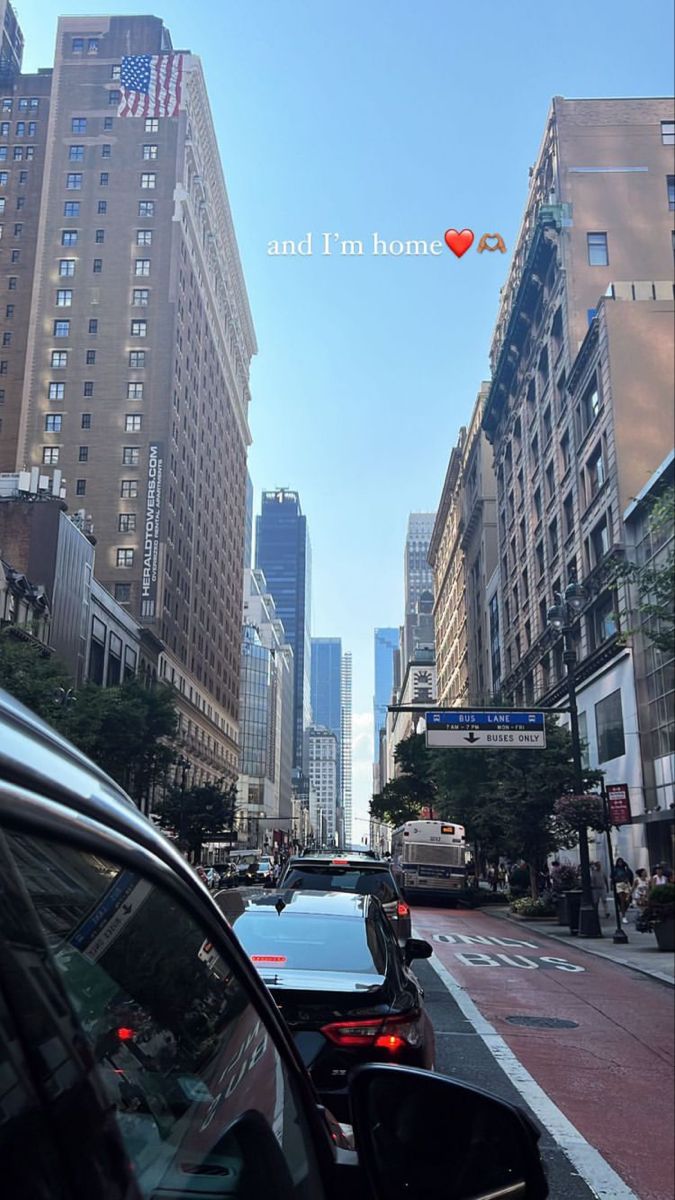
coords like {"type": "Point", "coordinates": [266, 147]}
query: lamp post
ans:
{"type": "Point", "coordinates": [184, 764]}
{"type": "Point", "coordinates": [619, 938]}
{"type": "Point", "coordinates": [561, 617]}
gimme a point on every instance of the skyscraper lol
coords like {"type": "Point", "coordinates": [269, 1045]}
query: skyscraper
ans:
{"type": "Point", "coordinates": [386, 644]}
{"type": "Point", "coordinates": [326, 683]}
{"type": "Point", "coordinates": [135, 357]}
{"type": "Point", "coordinates": [346, 746]}
{"type": "Point", "coordinates": [418, 578]}
{"type": "Point", "coordinates": [282, 552]}
{"type": "Point", "coordinates": [322, 755]}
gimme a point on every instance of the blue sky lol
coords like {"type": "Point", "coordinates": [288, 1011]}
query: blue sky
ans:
{"type": "Point", "coordinates": [405, 119]}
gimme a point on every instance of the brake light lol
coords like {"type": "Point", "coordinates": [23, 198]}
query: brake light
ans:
{"type": "Point", "coordinates": [383, 1033]}
{"type": "Point", "coordinates": [339, 862]}
{"type": "Point", "coordinates": [390, 1041]}
{"type": "Point", "coordinates": [402, 909]}
{"type": "Point", "coordinates": [268, 958]}
{"type": "Point", "coordinates": [125, 1034]}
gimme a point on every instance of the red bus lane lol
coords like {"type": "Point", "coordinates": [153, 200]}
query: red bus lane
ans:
{"type": "Point", "coordinates": [608, 1065]}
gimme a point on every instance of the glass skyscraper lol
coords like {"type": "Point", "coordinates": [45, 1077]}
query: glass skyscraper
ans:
{"type": "Point", "coordinates": [282, 552]}
{"type": "Point", "coordinates": [386, 643]}
{"type": "Point", "coordinates": [326, 674]}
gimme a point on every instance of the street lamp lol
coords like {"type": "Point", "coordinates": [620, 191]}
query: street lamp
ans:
{"type": "Point", "coordinates": [561, 617]}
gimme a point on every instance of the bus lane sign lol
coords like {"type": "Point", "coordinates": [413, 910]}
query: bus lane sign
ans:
{"type": "Point", "coordinates": [467, 729]}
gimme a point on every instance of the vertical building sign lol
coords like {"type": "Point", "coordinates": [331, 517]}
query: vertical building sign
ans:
{"type": "Point", "coordinates": [618, 800]}
{"type": "Point", "coordinates": [153, 512]}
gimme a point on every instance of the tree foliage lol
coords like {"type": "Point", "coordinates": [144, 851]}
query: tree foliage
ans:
{"type": "Point", "coordinates": [31, 673]}
{"type": "Point", "coordinates": [654, 581]}
{"type": "Point", "coordinates": [199, 814]}
{"type": "Point", "coordinates": [413, 788]}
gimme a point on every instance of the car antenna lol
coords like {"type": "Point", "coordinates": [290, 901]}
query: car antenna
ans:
{"type": "Point", "coordinates": [280, 905]}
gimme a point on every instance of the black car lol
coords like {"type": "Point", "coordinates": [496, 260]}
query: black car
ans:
{"type": "Point", "coordinates": [360, 873]}
{"type": "Point", "coordinates": [141, 1057]}
{"type": "Point", "coordinates": [337, 973]}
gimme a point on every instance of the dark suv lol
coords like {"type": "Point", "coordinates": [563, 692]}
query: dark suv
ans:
{"type": "Point", "coordinates": [360, 873]}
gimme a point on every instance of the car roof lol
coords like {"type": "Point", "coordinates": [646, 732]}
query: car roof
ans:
{"type": "Point", "coordinates": [338, 859]}
{"type": "Point", "coordinates": [300, 902]}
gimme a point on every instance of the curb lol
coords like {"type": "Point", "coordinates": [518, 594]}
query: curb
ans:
{"type": "Point", "coordinates": [581, 945]}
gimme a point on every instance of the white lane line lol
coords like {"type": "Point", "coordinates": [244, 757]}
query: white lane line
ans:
{"type": "Point", "coordinates": [591, 1166]}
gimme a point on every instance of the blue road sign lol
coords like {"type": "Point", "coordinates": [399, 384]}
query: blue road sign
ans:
{"type": "Point", "coordinates": [466, 728]}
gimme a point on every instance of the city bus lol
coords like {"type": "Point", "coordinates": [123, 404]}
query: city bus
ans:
{"type": "Point", "coordinates": [428, 858]}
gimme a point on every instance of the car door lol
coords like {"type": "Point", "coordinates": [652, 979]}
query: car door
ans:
{"type": "Point", "coordinates": [158, 1075]}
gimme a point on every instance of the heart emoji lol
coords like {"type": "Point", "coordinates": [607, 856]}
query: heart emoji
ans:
{"type": "Point", "coordinates": [458, 242]}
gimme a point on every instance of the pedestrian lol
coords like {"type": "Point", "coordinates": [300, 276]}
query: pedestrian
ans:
{"type": "Point", "coordinates": [662, 874]}
{"type": "Point", "coordinates": [599, 888]}
{"type": "Point", "coordinates": [641, 888]}
{"type": "Point", "coordinates": [623, 878]}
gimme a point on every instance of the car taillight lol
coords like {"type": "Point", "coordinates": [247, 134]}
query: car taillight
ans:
{"type": "Point", "coordinates": [402, 909]}
{"type": "Point", "coordinates": [385, 1033]}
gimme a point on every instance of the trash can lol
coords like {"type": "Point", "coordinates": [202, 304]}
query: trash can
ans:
{"type": "Point", "coordinates": [561, 905]}
{"type": "Point", "coordinates": [573, 907]}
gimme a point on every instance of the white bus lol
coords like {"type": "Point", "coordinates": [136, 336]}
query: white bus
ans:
{"type": "Point", "coordinates": [428, 858]}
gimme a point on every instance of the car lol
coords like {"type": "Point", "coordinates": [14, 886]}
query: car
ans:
{"type": "Point", "coordinates": [141, 1055]}
{"type": "Point", "coordinates": [263, 871]}
{"type": "Point", "coordinates": [338, 976]}
{"type": "Point", "coordinates": [359, 873]}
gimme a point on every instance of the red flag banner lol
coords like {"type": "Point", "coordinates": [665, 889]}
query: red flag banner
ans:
{"type": "Point", "coordinates": [151, 85]}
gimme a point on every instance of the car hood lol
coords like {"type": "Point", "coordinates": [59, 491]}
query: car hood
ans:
{"type": "Point", "coordinates": [320, 981]}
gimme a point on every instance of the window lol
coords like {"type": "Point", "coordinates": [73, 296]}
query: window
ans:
{"type": "Point", "coordinates": [56, 391]}
{"type": "Point", "coordinates": [537, 504]}
{"type": "Point", "coordinates": [107, 123]}
{"type": "Point", "coordinates": [553, 538]}
{"type": "Point", "coordinates": [148, 179]}
{"type": "Point", "coordinates": [64, 298]}
{"type": "Point", "coordinates": [146, 208]}
{"type": "Point", "coordinates": [4, 362]}
{"type": "Point", "coordinates": [85, 421]}
{"type": "Point", "coordinates": [76, 153]}
{"type": "Point", "coordinates": [50, 455]}
{"type": "Point", "coordinates": [123, 593]}
{"type": "Point", "coordinates": [139, 328]}
{"type": "Point", "coordinates": [102, 207]}
{"type": "Point", "coordinates": [106, 150]}
{"type": "Point", "coordinates": [59, 358]}
{"type": "Point", "coordinates": [3, 154]}
{"type": "Point", "coordinates": [73, 181]}
{"type": "Point", "coordinates": [20, 128]}
{"type": "Point", "coordinates": [4, 178]}
{"type": "Point", "coordinates": [61, 328]}
{"type": "Point", "coordinates": [670, 185]}
{"type": "Point", "coordinates": [30, 153]}
{"type": "Point", "coordinates": [97, 266]}
{"type": "Point", "coordinates": [77, 45]}
{"type": "Point", "coordinates": [595, 473]}
{"type": "Point", "coordinates": [129, 489]}
{"type": "Point", "coordinates": [131, 456]}
{"type": "Point", "coordinates": [67, 266]}
{"type": "Point", "coordinates": [32, 128]}
{"type": "Point", "coordinates": [600, 540]}
{"type": "Point", "coordinates": [80, 487]}
{"type": "Point", "coordinates": [142, 266]}
{"type": "Point", "coordinates": [83, 454]}
{"type": "Point", "coordinates": [609, 727]}
{"type": "Point", "coordinates": [133, 423]}
{"type": "Point", "coordinates": [150, 152]}
{"type": "Point", "coordinates": [88, 388]}
{"type": "Point", "coordinates": [18, 230]}
{"type": "Point", "coordinates": [104, 179]}
{"type": "Point", "coordinates": [568, 514]}
{"type": "Point", "coordinates": [126, 523]}
{"type": "Point", "coordinates": [71, 208]}
{"type": "Point", "coordinates": [668, 133]}
{"type": "Point", "coordinates": [9, 311]}
{"type": "Point", "coordinates": [597, 249]}
{"type": "Point", "coordinates": [602, 621]}
{"type": "Point", "coordinates": [151, 125]}
{"type": "Point", "coordinates": [140, 296]}
{"type": "Point", "coordinates": [114, 97]}
{"type": "Point", "coordinates": [565, 456]}
{"type": "Point", "coordinates": [20, 202]}
{"type": "Point", "coordinates": [137, 359]}
{"type": "Point", "coordinates": [93, 326]}
{"type": "Point", "coordinates": [99, 237]}
{"type": "Point", "coordinates": [90, 357]}
{"type": "Point", "coordinates": [6, 103]}
{"type": "Point", "coordinates": [589, 406]}
{"type": "Point", "coordinates": [4, 129]}
{"type": "Point", "coordinates": [53, 422]}
{"type": "Point", "coordinates": [548, 427]}
{"type": "Point", "coordinates": [16, 254]}
{"type": "Point", "coordinates": [125, 558]}
{"type": "Point", "coordinates": [17, 153]}
{"type": "Point", "coordinates": [550, 482]}
{"type": "Point", "coordinates": [143, 237]}
{"type": "Point", "coordinates": [134, 391]}
{"type": "Point", "coordinates": [68, 237]}
{"type": "Point", "coordinates": [6, 338]}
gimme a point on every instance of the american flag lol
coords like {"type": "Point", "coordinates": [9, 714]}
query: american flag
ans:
{"type": "Point", "coordinates": [151, 85]}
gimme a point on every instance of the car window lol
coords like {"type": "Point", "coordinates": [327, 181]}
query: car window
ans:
{"type": "Point", "coordinates": [309, 942]}
{"type": "Point", "coordinates": [342, 879]}
{"type": "Point", "coordinates": [197, 1086]}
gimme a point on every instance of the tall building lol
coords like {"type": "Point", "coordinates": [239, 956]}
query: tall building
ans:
{"type": "Point", "coordinates": [248, 525]}
{"type": "Point", "coordinates": [326, 674]}
{"type": "Point", "coordinates": [134, 363]}
{"type": "Point", "coordinates": [418, 578]}
{"type": "Point", "coordinates": [580, 412]}
{"type": "Point", "coordinates": [322, 754]}
{"type": "Point", "coordinates": [282, 552]}
{"type": "Point", "coordinates": [346, 748]}
{"type": "Point", "coordinates": [11, 44]}
{"type": "Point", "coordinates": [386, 643]}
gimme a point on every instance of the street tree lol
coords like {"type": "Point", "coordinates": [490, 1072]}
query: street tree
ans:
{"type": "Point", "coordinates": [199, 814]}
{"type": "Point", "coordinates": [653, 581]}
{"type": "Point", "coordinates": [413, 789]}
{"type": "Point", "coordinates": [31, 673]}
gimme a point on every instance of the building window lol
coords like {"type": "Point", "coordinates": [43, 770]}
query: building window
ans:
{"type": "Point", "coordinates": [11, 283]}
{"type": "Point", "coordinates": [77, 45]}
{"type": "Point", "coordinates": [670, 184]}
{"type": "Point", "coordinates": [143, 237]}
{"type": "Point", "coordinates": [83, 454]}
{"type": "Point", "coordinates": [99, 237]}
{"type": "Point", "coordinates": [602, 621]}
{"type": "Point", "coordinates": [88, 388]}
{"type": "Point", "coordinates": [80, 487]}
{"type": "Point", "coordinates": [93, 326]}
{"type": "Point", "coordinates": [104, 179]}
{"type": "Point", "coordinates": [9, 311]}
{"type": "Point", "coordinates": [53, 422]}
{"type": "Point", "coordinates": [139, 328]}
{"type": "Point", "coordinates": [6, 103]}
{"type": "Point", "coordinates": [131, 456]}
{"type": "Point", "coordinates": [126, 523]}
{"type": "Point", "coordinates": [68, 237]}
{"type": "Point", "coordinates": [609, 727]}
{"type": "Point", "coordinates": [20, 202]}
{"type": "Point", "coordinates": [4, 129]}
{"type": "Point", "coordinates": [668, 133]}
{"type": "Point", "coordinates": [50, 455]}
{"type": "Point", "coordinates": [4, 363]}
{"type": "Point", "coordinates": [565, 453]}
{"type": "Point", "coordinates": [595, 473]}
{"type": "Point", "coordinates": [151, 125]}
{"type": "Point", "coordinates": [142, 266]}
{"type": "Point", "coordinates": [6, 339]}
{"type": "Point", "coordinates": [589, 407]}
{"type": "Point", "coordinates": [137, 359]}
{"type": "Point", "coordinates": [123, 593]}
{"type": "Point", "coordinates": [133, 423]}
{"type": "Point", "coordinates": [97, 266]}
{"type": "Point", "coordinates": [64, 298]}
{"type": "Point", "coordinates": [76, 153]}
{"type": "Point", "coordinates": [85, 421]}
{"type": "Point", "coordinates": [550, 482]}
{"type": "Point", "coordinates": [102, 207]}
{"type": "Point", "coordinates": [125, 558]}
{"type": "Point", "coordinates": [17, 154]}
{"type": "Point", "coordinates": [73, 181]}
{"type": "Point", "coordinates": [140, 297]}
{"type": "Point", "coordinates": [598, 255]}
{"type": "Point", "coordinates": [114, 97]}
{"type": "Point", "coordinates": [106, 150]}
{"type": "Point", "coordinates": [59, 358]}
{"type": "Point", "coordinates": [71, 208]}
{"type": "Point", "coordinates": [66, 266]}
{"type": "Point", "coordinates": [148, 179]}
{"type": "Point", "coordinates": [146, 208]}
{"type": "Point", "coordinates": [56, 391]}
{"type": "Point", "coordinates": [134, 391]}
{"type": "Point", "coordinates": [553, 539]}
{"type": "Point", "coordinates": [129, 489]}
{"type": "Point", "coordinates": [3, 154]}
{"type": "Point", "coordinates": [600, 540]}
{"type": "Point", "coordinates": [568, 514]}
{"type": "Point", "coordinates": [107, 123]}
{"type": "Point", "coordinates": [150, 152]}
{"type": "Point", "coordinates": [30, 153]}
{"type": "Point", "coordinates": [62, 329]}
{"type": "Point", "coordinates": [90, 357]}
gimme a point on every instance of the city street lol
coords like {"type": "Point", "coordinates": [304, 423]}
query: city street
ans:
{"type": "Point", "coordinates": [599, 1081]}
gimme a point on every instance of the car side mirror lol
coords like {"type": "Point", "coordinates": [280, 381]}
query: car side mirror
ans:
{"type": "Point", "coordinates": [416, 948]}
{"type": "Point", "coordinates": [421, 1136]}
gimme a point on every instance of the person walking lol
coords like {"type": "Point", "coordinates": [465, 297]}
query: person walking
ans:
{"type": "Point", "coordinates": [599, 888]}
{"type": "Point", "coordinates": [623, 877]}
{"type": "Point", "coordinates": [641, 886]}
{"type": "Point", "coordinates": [662, 874]}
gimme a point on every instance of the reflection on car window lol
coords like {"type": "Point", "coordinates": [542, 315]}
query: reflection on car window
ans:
{"type": "Point", "coordinates": [343, 879]}
{"type": "Point", "coordinates": [181, 1051]}
{"type": "Point", "coordinates": [307, 942]}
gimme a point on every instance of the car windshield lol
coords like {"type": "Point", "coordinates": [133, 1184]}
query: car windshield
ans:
{"type": "Point", "coordinates": [310, 942]}
{"type": "Point", "coordinates": [326, 877]}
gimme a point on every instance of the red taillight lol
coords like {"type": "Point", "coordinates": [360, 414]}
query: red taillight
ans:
{"type": "Point", "coordinates": [390, 1033]}
{"type": "Point", "coordinates": [125, 1034]}
{"type": "Point", "coordinates": [353, 1033]}
{"type": "Point", "coordinates": [390, 1041]}
{"type": "Point", "coordinates": [339, 862]}
{"type": "Point", "coordinates": [402, 909]}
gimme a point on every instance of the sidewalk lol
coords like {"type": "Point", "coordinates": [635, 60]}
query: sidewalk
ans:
{"type": "Point", "coordinates": [640, 953]}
